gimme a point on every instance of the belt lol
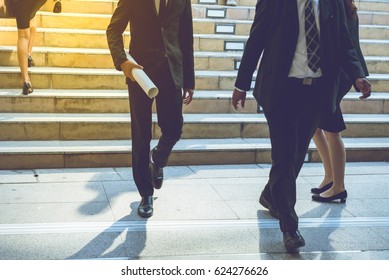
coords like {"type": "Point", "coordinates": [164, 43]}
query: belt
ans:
{"type": "Point", "coordinates": [306, 81]}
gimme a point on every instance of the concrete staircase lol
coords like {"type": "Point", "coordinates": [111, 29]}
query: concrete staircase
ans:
{"type": "Point", "coordinates": [78, 115]}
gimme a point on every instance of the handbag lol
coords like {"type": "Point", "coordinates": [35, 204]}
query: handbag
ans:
{"type": "Point", "coordinates": [6, 10]}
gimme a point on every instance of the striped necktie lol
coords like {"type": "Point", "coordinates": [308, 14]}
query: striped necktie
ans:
{"type": "Point", "coordinates": [312, 37]}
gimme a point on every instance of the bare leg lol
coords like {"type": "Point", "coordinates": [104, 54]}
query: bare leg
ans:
{"type": "Point", "coordinates": [322, 147]}
{"type": "Point", "coordinates": [32, 35]}
{"type": "Point", "coordinates": [22, 49]}
{"type": "Point", "coordinates": [338, 163]}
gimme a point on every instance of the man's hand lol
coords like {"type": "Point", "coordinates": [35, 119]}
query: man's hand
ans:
{"type": "Point", "coordinates": [187, 95]}
{"type": "Point", "coordinates": [127, 67]}
{"type": "Point", "coordinates": [364, 86]}
{"type": "Point", "coordinates": [237, 96]}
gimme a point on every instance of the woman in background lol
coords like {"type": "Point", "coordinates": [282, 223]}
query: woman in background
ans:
{"type": "Point", "coordinates": [328, 138]}
{"type": "Point", "coordinates": [25, 11]}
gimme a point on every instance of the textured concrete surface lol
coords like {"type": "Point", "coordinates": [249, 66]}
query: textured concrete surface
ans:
{"type": "Point", "coordinates": [201, 212]}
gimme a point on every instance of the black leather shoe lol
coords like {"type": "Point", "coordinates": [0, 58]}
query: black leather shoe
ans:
{"type": "Point", "coordinates": [156, 175]}
{"type": "Point", "coordinates": [145, 208]}
{"type": "Point", "coordinates": [57, 7]}
{"type": "Point", "coordinates": [293, 241]}
{"type": "Point", "coordinates": [27, 88]}
{"type": "Point", "coordinates": [322, 189]}
{"type": "Point", "coordinates": [265, 203]}
{"type": "Point", "coordinates": [31, 62]}
{"type": "Point", "coordinates": [341, 196]}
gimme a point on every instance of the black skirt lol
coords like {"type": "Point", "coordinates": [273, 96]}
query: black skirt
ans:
{"type": "Point", "coordinates": [25, 11]}
{"type": "Point", "coordinates": [333, 121]}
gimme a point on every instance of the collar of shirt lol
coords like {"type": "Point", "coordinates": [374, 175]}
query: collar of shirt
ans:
{"type": "Point", "coordinates": [299, 68]}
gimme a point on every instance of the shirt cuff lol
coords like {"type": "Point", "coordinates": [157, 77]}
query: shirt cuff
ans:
{"type": "Point", "coordinates": [241, 90]}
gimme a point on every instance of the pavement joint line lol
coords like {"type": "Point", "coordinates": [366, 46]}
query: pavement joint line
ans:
{"type": "Point", "coordinates": [136, 226]}
{"type": "Point", "coordinates": [239, 256]}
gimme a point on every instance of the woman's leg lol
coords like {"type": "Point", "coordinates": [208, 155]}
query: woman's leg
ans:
{"type": "Point", "coordinates": [338, 163]}
{"type": "Point", "coordinates": [22, 50]}
{"type": "Point", "coordinates": [319, 138]}
{"type": "Point", "coordinates": [32, 35]}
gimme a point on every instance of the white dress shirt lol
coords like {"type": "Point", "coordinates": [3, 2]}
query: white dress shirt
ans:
{"type": "Point", "coordinates": [299, 68]}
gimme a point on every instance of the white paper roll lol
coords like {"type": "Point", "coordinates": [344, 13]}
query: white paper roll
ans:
{"type": "Point", "coordinates": [143, 80]}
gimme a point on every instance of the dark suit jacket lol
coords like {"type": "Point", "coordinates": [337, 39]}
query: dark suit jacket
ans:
{"type": "Point", "coordinates": [274, 32]}
{"type": "Point", "coordinates": [152, 40]}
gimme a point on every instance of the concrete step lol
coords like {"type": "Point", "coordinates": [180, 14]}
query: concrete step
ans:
{"type": "Point", "coordinates": [101, 58]}
{"type": "Point", "coordinates": [39, 126]}
{"type": "Point", "coordinates": [108, 6]}
{"type": "Point", "coordinates": [61, 57]}
{"type": "Point", "coordinates": [374, 47]}
{"type": "Point", "coordinates": [75, 20]}
{"type": "Point", "coordinates": [84, 6]}
{"type": "Point", "coordinates": [376, 22]}
{"type": "Point", "coordinates": [235, 43]}
{"type": "Point", "coordinates": [374, 32]}
{"type": "Point", "coordinates": [101, 22]}
{"type": "Point", "coordinates": [88, 38]}
{"type": "Point", "coordinates": [369, 28]}
{"type": "Point", "coordinates": [83, 78]}
{"type": "Point", "coordinates": [62, 38]}
{"type": "Point", "coordinates": [116, 153]}
{"type": "Point", "coordinates": [372, 5]}
{"type": "Point", "coordinates": [366, 15]}
{"type": "Point", "coordinates": [116, 101]}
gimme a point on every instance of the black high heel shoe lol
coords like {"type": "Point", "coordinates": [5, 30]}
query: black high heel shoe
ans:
{"type": "Point", "coordinates": [322, 189]}
{"type": "Point", "coordinates": [27, 88]}
{"type": "Point", "coordinates": [57, 7]}
{"type": "Point", "coordinates": [31, 62]}
{"type": "Point", "coordinates": [342, 196]}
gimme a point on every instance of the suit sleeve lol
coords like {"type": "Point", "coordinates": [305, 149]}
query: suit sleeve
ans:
{"type": "Point", "coordinates": [354, 32]}
{"type": "Point", "coordinates": [186, 44]}
{"type": "Point", "coordinates": [115, 29]}
{"type": "Point", "coordinates": [254, 45]}
{"type": "Point", "coordinates": [349, 59]}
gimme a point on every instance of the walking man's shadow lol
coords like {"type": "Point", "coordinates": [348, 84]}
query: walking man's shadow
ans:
{"type": "Point", "coordinates": [124, 239]}
{"type": "Point", "coordinates": [317, 238]}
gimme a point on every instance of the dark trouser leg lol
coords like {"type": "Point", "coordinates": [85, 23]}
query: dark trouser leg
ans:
{"type": "Point", "coordinates": [141, 122]}
{"type": "Point", "coordinates": [170, 120]}
{"type": "Point", "coordinates": [291, 127]}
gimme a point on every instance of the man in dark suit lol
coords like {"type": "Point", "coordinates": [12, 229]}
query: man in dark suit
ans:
{"type": "Point", "coordinates": [304, 45]}
{"type": "Point", "coordinates": [162, 44]}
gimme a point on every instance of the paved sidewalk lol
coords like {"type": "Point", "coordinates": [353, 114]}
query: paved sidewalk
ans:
{"type": "Point", "coordinates": [201, 212]}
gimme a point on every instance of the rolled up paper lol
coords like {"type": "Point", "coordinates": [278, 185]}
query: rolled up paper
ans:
{"type": "Point", "coordinates": [143, 80]}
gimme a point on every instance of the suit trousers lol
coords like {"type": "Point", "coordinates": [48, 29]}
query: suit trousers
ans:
{"type": "Point", "coordinates": [170, 121]}
{"type": "Point", "coordinates": [291, 126]}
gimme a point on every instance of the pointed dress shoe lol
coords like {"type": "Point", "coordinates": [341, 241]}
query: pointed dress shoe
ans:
{"type": "Point", "coordinates": [292, 241]}
{"type": "Point", "coordinates": [265, 203]}
{"type": "Point", "coordinates": [156, 175]}
{"type": "Point", "coordinates": [145, 208]}
{"type": "Point", "coordinates": [341, 196]}
{"type": "Point", "coordinates": [322, 189]}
